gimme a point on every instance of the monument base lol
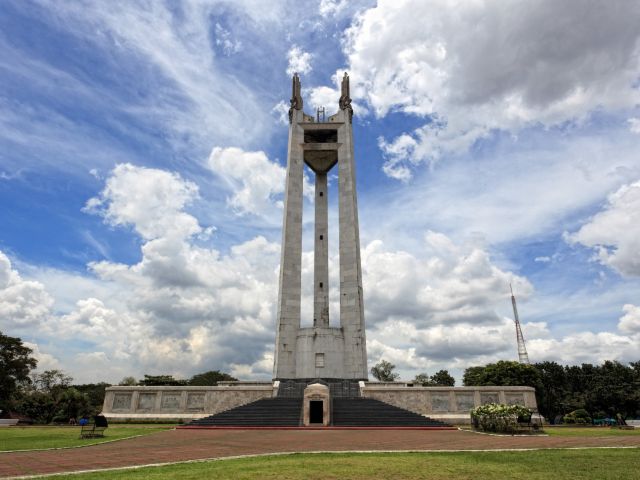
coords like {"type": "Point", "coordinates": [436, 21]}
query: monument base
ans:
{"type": "Point", "coordinates": [451, 405]}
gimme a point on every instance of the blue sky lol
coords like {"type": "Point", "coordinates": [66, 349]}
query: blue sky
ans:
{"type": "Point", "coordinates": [142, 157]}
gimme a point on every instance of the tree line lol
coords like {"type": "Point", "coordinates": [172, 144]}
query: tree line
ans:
{"type": "Point", "coordinates": [52, 397]}
{"type": "Point", "coordinates": [602, 391]}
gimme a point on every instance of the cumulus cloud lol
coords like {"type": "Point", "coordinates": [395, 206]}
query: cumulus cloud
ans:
{"type": "Point", "coordinates": [299, 61]}
{"type": "Point", "coordinates": [630, 321]}
{"type": "Point", "coordinates": [437, 60]}
{"type": "Point", "coordinates": [23, 303]}
{"type": "Point", "coordinates": [614, 232]}
{"type": "Point", "coordinates": [150, 200]}
{"type": "Point", "coordinates": [256, 181]}
{"type": "Point", "coordinates": [634, 125]}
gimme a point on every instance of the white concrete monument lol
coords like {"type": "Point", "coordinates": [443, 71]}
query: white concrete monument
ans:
{"type": "Point", "coordinates": [320, 351]}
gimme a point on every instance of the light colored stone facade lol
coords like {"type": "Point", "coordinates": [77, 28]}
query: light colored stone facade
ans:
{"type": "Point", "coordinates": [320, 351]}
{"type": "Point", "coordinates": [316, 392]}
{"type": "Point", "coordinates": [449, 404]}
{"type": "Point", "coordinates": [180, 403]}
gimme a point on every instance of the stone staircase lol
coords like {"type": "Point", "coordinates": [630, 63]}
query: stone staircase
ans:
{"type": "Point", "coordinates": [268, 412]}
{"type": "Point", "coordinates": [367, 412]}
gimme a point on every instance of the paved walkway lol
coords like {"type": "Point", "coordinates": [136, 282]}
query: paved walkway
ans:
{"type": "Point", "coordinates": [177, 445]}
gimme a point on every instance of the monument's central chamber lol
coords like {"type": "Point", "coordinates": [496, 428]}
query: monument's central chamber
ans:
{"type": "Point", "coordinates": [320, 351]}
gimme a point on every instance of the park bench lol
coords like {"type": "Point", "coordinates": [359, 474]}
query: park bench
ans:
{"type": "Point", "coordinates": [94, 429]}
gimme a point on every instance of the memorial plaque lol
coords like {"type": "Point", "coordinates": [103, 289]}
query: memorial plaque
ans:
{"type": "Point", "coordinates": [489, 397]}
{"type": "Point", "coordinates": [171, 400]}
{"type": "Point", "coordinates": [121, 401]}
{"type": "Point", "coordinates": [464, 401]}
{"type": "Point", "coordinates": [147, 401]}
{"type": "Point", "coordinates": [515, 399]}
{"type": "Point", "coordinates": [195, 401]}
{"type": "Point", "coordinates": [440, 402]}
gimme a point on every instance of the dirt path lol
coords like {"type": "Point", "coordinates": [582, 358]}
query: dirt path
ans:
{"type": "Point", "coordinates": [177, 445]}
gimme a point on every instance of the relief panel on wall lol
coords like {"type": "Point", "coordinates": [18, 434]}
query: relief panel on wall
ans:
{"type": "Point", "coordinates": [489, 397]}
{"type": "Point", "coordinates": [195, 401]}
{"type": "Point", "coordinates": [514, 399]}
{"type": "Point", "coordinates": [171, 400]}
{"type": "Point", "coordinates": [440, 402]}
{"type": "Point", "coordinates": [464, 401]}
{"type": "Point", "coordinates": [147, 401]}
{"type": "Point", "coordinates": [121, 401]}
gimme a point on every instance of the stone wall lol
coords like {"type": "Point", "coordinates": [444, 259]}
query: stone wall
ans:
{"type": "Point", "coordinates": [180, 403]}
{"type": "Point", "coordinates": [451, 404]}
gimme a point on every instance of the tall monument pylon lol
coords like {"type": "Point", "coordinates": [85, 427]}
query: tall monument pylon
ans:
{"type": "Point", "coordinates": [320, 351]}
{"type": "Point", "coordinates": [523, 356]}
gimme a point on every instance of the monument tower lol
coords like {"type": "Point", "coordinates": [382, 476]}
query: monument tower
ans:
{"type": "Point", "coordinates": [320, 351]}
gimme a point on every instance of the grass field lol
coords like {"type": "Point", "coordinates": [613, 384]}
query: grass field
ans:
{"type": "Point", "coordinates": [589, 431]}
{"type": "Point", "coordinates": [33, 438]}
{"type": "Point", "coordinates": [619, 464]}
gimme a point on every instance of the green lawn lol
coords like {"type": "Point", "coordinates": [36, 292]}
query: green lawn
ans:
{"type": "Point", "coordinates": [588, 431]}
{"type": "Point", "coordinates": [538, 465]}
{"type": "Point", "coordinates": [33, 438]}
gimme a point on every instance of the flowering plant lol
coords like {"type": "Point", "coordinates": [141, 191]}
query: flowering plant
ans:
{"type": "Point", "coordinates": [496, 417]}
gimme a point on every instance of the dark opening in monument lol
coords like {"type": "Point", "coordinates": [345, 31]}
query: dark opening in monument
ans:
{"type": "Point", "coordinates": [321, 237]}
{"type": "Point", "coordinates": [320, 136]}
{"type": "Point", "coordinates": [320, 284]}
{"type": "Point", "coordinates": [315, 411]}
{"type": "Point", "coordinates": [320, 193]}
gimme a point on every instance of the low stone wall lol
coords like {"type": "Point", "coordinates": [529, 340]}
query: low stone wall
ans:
{"type": "Point", "coordinates": [450, 404]}
{"type": "Point", "coordinates": [180, 403]}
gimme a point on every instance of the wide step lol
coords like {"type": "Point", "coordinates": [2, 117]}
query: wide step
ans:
{"type": "Point", "coordinates": [268, 412]}
{"type": "Point", "coordinates": [367, 412]}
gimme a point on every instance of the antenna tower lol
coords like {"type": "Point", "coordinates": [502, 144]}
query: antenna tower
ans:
{"type": "Point", "coordinates": [523, 356]}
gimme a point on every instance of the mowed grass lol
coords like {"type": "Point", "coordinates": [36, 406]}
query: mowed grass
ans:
{"type": "Point", "coordinates": [34, 438]}
{"type": "Point", "coordinates": [589, 432]}
{"type": "Point", "coordinates": [618, 464]}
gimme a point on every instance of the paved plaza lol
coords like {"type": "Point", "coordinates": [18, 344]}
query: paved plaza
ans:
{"type": "Point", "coordinates": [180, 445]}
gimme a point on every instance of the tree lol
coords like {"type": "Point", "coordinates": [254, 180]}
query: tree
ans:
{"type": "Point", "coordinates": [442, 378]}
{"type": "Point", "coordinates": [160, 380]}
{"type": "Point", "coordinates": [128, 381]}
{"type": "Point", "coordinates": [502, 373]}
{"type": "Point", "coordinates": [50, 398]}
{"type": "Point", "coordinates": [210, 378]}
{"type": "Point", "coordinates": [383, 371]}
{"type": "Point", "coordinates": [421, 379]}
{"type": "Point", "coordinates": [16, 363]}
{"type": "Point", "coordinates": [552, 390]}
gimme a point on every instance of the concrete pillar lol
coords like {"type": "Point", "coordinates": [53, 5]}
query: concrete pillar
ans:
{"type": "Point", "coordinates": [321, 255]}
{"type": "Point", "coordinates": [351, 297]}
{"type": "Point", "coordinates": [289, 292]}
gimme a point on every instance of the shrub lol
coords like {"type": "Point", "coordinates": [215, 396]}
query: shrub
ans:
{"type": "Point", "coordinates": [495, 417]}
{"type": "Point", "coordinates": [579, 416]}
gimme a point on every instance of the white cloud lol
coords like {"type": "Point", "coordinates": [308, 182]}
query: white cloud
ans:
{"type": "Point", "coordinates": [543, 259]}
{"type": "Point", "coordinates": [225, 41]}
{"type": "Point", "coordinates": [46, 361]}
{"type": "Point", "coordinates": [256, 181]}
{"type": "Point", "coordinates": [331, 8]}
{"type": "Point", "coordinates": [299, 61]}
{"type": "Point", "coordinates": [190, 93]}
{"type": "Point", "coordinates": [614, 232]}
{"type": "Point", "coordinates": [149, 199]}
{"type": "Point", "coordinates": [634, 125]}
{"type": "Point", "coordinates": [23, 303]}
{"type": "Point", "coordinates": [630, 321]}
{"type": "Point", "coordinates": [438, 60]}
